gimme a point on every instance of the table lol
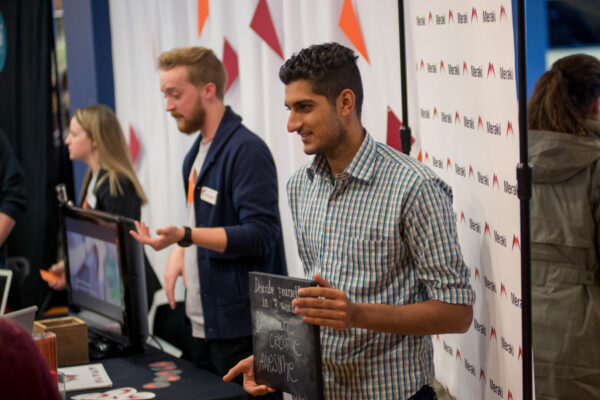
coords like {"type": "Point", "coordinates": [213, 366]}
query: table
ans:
{"type": "Point", "coordinates": [195, 383]}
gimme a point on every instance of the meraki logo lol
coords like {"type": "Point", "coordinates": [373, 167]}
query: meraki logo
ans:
{"type": "Point", "coordinates": [516, 243]}
{"type": "Point", "coordinates": [435, 112]}
{"type": "Point", "coordinates": [474, 14]}
{"type": "Point", "coordinates": [430, 17]}
{"type": "Point", "coordinates": [442, 66]}
{"type": "Point", "coordinates": [493, 334]}
{"type": "Point", "coordinates": [477, 275]}
{"type": "Point", "coordinates": [502, 13]}
{"type": "Point", "coordinates": [480, 123]}
{"type": "Point", "coordinates": [426, 157]}
{"type": "Point", "coordinates": [489, 16]}
{"type": "Point", "coordinates": [509, 129]}
{"type": "Point", "coordinates": [497, 389]}
{"type": "Point", "coordinates": [482, 374]}
{"type": "Point", "coordinates": [495, 182]}
{"type": "Point", "coordinates": [503, 289]}
{"type": "Point", "coordinates": [520, 356]}
{"type": "Point", "coordinates": [491, 70]}
{"type": "Point", "coordinates": [469, 367]}
{"type": "Point", "coordinates": [486, 230]}
{"type": "Point", "coordinates": [450, 16]}
{"type": "Point", "coordinates": [507, 74]}
{"type": "Point", "coordinates": [456, 118]}
{"type": "Point", "coordinates": [510, 396]}
{"type": "Point", "coordinates": [471, 175]}
{"type": "Point", "coordinates": [448, 163]}
{"type": "Point", "coordinates": [458, 356]}
{"type": "Point", "coordinates": [462, 217]}
{"type": "Point", "coordinates": [507, 346]}
{"type": "Point", "coordinates": [422, 64]}
{"type": "Point", "coordinates": [465, 68]}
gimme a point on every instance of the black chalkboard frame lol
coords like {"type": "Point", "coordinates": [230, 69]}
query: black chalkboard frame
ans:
{"type": "Point", "coordinates": [308, 385]}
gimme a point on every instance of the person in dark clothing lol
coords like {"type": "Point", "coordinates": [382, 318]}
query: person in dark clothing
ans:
{"type": "Point", "coordinates": [110, 184]}
{"type": "Point", "coordinates": [12, 192]}
{"type": "Point", "coordinates": [233, 222]}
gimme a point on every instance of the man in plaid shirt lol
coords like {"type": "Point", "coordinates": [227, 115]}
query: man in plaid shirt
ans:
{"type": "Point", "coordinates": [376, 231]}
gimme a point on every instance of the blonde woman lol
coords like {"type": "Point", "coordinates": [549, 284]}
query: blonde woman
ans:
{"type": "Point", "coordinates": [110, 184]}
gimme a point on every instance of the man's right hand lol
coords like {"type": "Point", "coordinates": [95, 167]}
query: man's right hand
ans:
{"type": "Point", "coordinates": [175, 268]}
{"type": "Point", "coordinates": [246, 367]}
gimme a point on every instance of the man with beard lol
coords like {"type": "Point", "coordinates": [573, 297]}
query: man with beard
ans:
{"type": "Point", "coordinates": [233, 222]}
{"type": "Point", "coordinates": [376, 231]}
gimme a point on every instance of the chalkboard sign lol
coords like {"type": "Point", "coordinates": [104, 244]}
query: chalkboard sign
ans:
{"type": "Point", "coordinates": [287, 350]}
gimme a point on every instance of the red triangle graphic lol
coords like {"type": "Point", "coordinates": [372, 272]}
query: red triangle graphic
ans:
{"type": "Point", "coordinates": [134, 145]}
{"type": "Point", "coordinates": [230, 61]}
{"type": "Point", "coordinates": [262, 24]}
{"type": "Point", "coordinates": [350, 26]}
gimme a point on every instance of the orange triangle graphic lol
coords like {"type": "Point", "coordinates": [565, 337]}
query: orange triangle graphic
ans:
{"type": "Point", "coordinates": [349, 24]}
{"type": "Point", "coordinates": [202, 15]}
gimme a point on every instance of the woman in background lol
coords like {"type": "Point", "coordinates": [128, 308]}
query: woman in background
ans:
{"type": "Point", "coordinates": [564, 144]}
{"type": "Point", "coordinates": [110, 183]}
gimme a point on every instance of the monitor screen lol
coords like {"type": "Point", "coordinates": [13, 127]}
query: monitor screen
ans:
{"type": "Point", "coordinates": [106, 280]}
{"type": "Point", "coordinates": [95, 266]}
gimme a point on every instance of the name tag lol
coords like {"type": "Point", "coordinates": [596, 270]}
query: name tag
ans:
{"type": "Point", "coordinates": [208, 195]}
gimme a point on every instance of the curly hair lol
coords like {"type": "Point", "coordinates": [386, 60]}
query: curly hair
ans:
{"type": "Point", "coordinates": [563, 96]}
{"type": "Point", "coordinates": [330, 67]}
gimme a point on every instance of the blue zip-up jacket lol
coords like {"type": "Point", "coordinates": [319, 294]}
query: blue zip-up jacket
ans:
{"type": "Point", "coordinates": [240, 168]}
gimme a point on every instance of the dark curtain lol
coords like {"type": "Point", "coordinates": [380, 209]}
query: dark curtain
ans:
{"type": "Point", "coordinates": [27, 119]}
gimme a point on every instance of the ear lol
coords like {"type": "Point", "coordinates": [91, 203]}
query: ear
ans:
{"type": "Point", "coordinates": [596, 108]}
{"type": "Point", "coordinates": [345, 102]}
{"type": "Point", "coordinates": [209, 90]}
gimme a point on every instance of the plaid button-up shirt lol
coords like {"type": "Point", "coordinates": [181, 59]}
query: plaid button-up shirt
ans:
{"type": "Point", "coordinates": [383, 231]}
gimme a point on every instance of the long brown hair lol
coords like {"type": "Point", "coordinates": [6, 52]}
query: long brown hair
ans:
{"type": "Point", "coordinates": [102, 126]}
{"type": "Point", "coordinates": [563, 96]}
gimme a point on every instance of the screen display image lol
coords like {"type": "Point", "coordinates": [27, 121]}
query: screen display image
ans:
{"type": "Point", "coordinates": [95, 276]}
{"type": "Point", "coordinates": [94, 268]}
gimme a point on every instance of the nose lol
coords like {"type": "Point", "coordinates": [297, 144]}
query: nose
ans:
{"type": "Point", "coordinates": [169, 105]}
{"type": "Point", "coordinates": [67, 139]}
{"type": "Point", "coordinates": [293, 124]}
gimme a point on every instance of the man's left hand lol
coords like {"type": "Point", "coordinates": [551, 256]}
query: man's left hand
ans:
{"type": "Point", "coordinates": [325, 306]}
{"type": "Point", "coordinates": [166, 236]}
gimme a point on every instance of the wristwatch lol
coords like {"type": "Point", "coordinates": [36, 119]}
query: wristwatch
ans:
{"type": "Point", "coordinates": [187, 237]}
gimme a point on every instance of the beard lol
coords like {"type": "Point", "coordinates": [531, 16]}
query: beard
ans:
{"type": "Point", "coordinates": [194, 122]}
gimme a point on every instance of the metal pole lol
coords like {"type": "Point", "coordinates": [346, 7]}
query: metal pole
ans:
{"type": "Point", "coordinates": [405, 133]}
{"type": "Point", "coordinates": [524, 178]}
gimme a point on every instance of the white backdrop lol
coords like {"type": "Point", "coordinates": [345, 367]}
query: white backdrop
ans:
{"type": "Point", "coordinates": [477, 160]}
{"type": "Point", "coordinates": [463, 105]}
{"type": "Point", "coordinates": [142, 29]}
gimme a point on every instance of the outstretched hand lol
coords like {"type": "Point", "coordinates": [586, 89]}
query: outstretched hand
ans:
{"type": "Point", "coordinates": [166, 236]}
{"type": "Point", "coordinates": [325, 306]}
{"type": "Point", "coordinates": [246, 367]}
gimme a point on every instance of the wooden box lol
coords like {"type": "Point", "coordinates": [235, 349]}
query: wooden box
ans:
{"type": "Point", "coordinates": [71, 339]}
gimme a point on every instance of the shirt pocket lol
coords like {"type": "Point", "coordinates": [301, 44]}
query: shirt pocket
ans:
{"type": "Point", "coordinates": [367, 267]}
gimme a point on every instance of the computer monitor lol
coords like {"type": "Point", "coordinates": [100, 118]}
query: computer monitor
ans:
{"type": "Point", "coordinates": [104, 267]}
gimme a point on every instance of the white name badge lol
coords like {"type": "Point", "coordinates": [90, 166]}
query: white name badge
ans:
{"type": "Point", "coordinates": [208, 195]}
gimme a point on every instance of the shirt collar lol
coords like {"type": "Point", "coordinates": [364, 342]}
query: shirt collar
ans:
{"type": "Point", "coordinates": [361, 167]}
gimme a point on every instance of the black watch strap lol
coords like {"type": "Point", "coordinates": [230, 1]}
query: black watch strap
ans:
{"type": "Point", "coordinates": [187, 237]}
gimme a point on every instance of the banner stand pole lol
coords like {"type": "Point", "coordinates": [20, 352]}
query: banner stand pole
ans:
{"type": "Point", "coordinates": [405, 131]}
{"type": "Point", "coordinates": [524, 179]}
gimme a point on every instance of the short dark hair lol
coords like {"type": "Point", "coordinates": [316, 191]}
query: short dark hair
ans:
{"type": "Point", "coordinates": [330, 67]}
